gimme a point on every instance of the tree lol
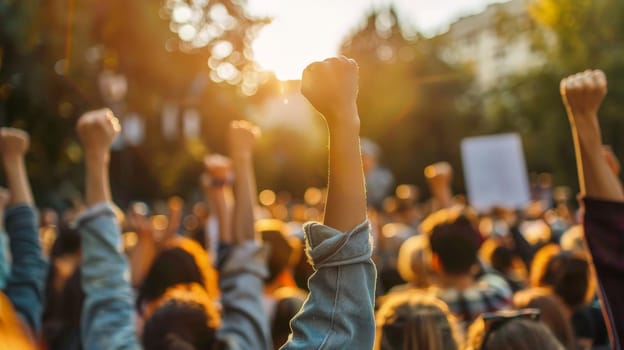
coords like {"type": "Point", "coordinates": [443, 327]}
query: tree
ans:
{"type": "Point", "coordinates": [412, 102]}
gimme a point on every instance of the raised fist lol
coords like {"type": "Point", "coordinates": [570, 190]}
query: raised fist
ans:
{"type": "Point", "coordinates": [218, 167]}
{"type": "Point", "coordinates": [583, 93]}
{"type": "Point", "coordinates": [242, 137]}
{"type": "Point", "coordinates": [331, 86]}
{"type": "Point", "coordinates": [97, 130]}
{"type": "Point", "coordinates": [440, 172]}
{"type": "Point", "coordinates": [13, 142]}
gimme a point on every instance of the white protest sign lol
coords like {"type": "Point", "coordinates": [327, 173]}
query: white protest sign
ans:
{"type": "Point", "coordinates": [495, 172]}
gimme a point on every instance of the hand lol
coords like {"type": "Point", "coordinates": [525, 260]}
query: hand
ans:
{"type": "Point", "coordinates": [242, 137]}
{"type": "Point", "coordinates": [331, 86]}
{"type": "Point", "coordinates": [13, 142]}
{"type": "Point", "coordinates": [583, 93]}
{"type": "Point", "coordinates": [218, 167]}
{"type": "Point", "coordinates": [97, 130]}
{"type": "Point", "coordinates": [439, 174]}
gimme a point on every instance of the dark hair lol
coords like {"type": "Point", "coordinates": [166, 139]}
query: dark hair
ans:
{"type": "Point", "coordinates": [522, 334]}
{"type": "Point", "coordinates": [456, 244]}
{"type": "Point", "coordinates": [287, 306]}
{"type": "Point", "coordinates": [501, 259]}
{"type": "Point", "coordinates": [179, 325]}
{"type": "Point", "coordinates": [280, 252]}
{"type": "Point", "coordinates": [552, 313]}
{"type": "Point", "coordinates": [171, 267]}
{"type": "Point", "coordinates": [568, 275]}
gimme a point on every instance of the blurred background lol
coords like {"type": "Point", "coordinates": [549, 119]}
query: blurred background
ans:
{"type": "Point", "coordinates": [176, 72]}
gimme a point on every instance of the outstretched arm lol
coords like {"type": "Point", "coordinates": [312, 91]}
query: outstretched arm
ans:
{"type": "Point", "coordinates": [243, 270]}
{"type": "Point", "coordinates": [603, 197]}
{"type": "Point", "coordinates": [338, 313]}
{"type": "Point", "coordinates": [107, 315]}
{"type": "Point", "coordinates": [218, 192]}
{"type": "Point", "coordinates": [582, 96]}
{"type": "Point", "coordinates": [28, 271]}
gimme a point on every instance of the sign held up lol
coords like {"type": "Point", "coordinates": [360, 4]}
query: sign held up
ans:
{"type": "Point", "coordinates": [495, 172]}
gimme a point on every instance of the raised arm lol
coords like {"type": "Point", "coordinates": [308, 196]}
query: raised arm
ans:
{"type": "Point", "coordinates": [25, 283]}
{"type": "Point", "coordinates": [243, 270]}
{"type": "Point", "coordinates": [242, 138]}
{"type": "Point", "coordinates": [338, 313]}
{"type": "Point", "coordinates": [107, 315]}
{"type": "Point", "coordinates": [582, 96]}
{"type": "Point", "coordinates": [218, 192]}
{"type": "Point", "coordinates": [603, 197]}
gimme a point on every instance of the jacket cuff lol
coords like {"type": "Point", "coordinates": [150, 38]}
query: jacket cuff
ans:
{"type": "Point", "coordinates": [93, 212]}
{"type": "Point", "coordinates": [328, 247]}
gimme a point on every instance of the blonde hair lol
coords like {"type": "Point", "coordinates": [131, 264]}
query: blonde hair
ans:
{"type": "Point", "coordinates": [417, 321]}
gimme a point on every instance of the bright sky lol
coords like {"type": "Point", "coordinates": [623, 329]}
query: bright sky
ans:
{"type": "Point", "coordinates": [303, 31]}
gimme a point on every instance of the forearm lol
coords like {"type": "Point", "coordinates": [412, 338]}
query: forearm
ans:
{"type": "Point", "coordinates": [17, 179]}
{"type": "Point", "coordinates": [595, 176]}
{"type": "Point", "coordinates": [244, 198]}
{"type": "Point", "coordinates": [107, 314]}
{"type": "Point", "coordinates": [141, 259]}
{"type": "Point", "coordinates": [25, 284]}
{"type": "Point", "coordinates": [97, 178]}
{"type": "Point", "coordinates": [220, 199]}
{"type": "Point", "coordinates": [346, 193]}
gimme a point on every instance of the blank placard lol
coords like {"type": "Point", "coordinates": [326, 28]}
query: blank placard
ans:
{"type": "Point", "coordinates": [495, 172]}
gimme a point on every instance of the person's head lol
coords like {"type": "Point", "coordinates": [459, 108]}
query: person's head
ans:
{"type": "Point", "coordinates": [283, 252]}
{"type": "Point", "coordinates": [551, 313]}
{"type": "Point", "coordinates": [502, 259]}
{"type": "Point", "coordinates": [182, 323]}
{"type": "Point", "coordinates": [177, 300]}
{"type": "Point", "coordinates": [414, 261]}
{"type": "Point", "coordinates": [566, 274]}
{"type": "Point", "coordinates": [415, 321]}
{"type": "Point", "coordinates": [288, 302]}
{"type": "Point", "coordinates": [511, 330]}
{"type": "Point", "coordinates": [454, 241]}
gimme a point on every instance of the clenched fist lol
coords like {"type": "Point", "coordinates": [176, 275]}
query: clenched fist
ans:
{"type": "Point", "coordinates": [331, 86]}
{"type": "Point", "coordinates": [13, 142]}
{"type": "Point", "coordinates": [218, 167]}
{"type": "Point", "coordinates": [583, 93]}
{"type": "Point", "coordinates": [242, 137]}
{"type": "Point", "coordinates": [97, 130]}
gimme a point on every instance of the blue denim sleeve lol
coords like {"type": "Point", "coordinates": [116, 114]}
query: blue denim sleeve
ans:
{"type": "Point", "coordinates": [108, 315]}
{"type": "Point", "coordinates": [338, 313]}
{"type": "Point", "coordinates": [25, 284]}
{"type": "Point", "coordinates": [244, 322]}
{"type": "Point", "coordinates": [4, 261]}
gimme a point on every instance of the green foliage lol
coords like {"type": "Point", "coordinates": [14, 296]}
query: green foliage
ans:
{"type": "Point", "coordinates": [52, 53]}
{"type": "Point", "coordinates": [572, 35]}
{"type": "Point", "coordinates": [411, 102]}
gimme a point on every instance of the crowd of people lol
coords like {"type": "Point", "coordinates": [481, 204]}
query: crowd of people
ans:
{"type": "Point", "coordinates": [336, 271]}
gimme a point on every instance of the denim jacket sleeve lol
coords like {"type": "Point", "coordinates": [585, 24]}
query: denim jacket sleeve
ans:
{"type": "Point", "coordinates": [24, 285]}
{"type": "Point", "coordinates": [4, 260]}
{"type": "Point", "coordinates": [244, 322]}
{"type": "Point", "coordinates": [338, 313]}
{"type": "Point", "coordinates": [604, 234]}
{"type": "Point", "coordinates": [108, 314]}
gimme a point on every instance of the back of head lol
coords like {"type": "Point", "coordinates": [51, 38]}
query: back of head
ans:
{"type": "Point", "coordinates": [282, 253]}
{"type": "Point", "coordinates": [415, 321]}
{"type": "Point", "coordinates": [455, 242]}
{"type": "Point", "coordinates": [522, 334]}
{"type": "Point", "coordinates": [179, 325]}
{"type": "Point", "coordinates": [413, 261]}
{"type": "Point", "coordinates": [288, 303]}
{"type": "Point", "coordinates": [567, 274]}
{"type": "Point", "coordinates": [171, 267]}
{"type": "Point", "coordinates": [551, 313]}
